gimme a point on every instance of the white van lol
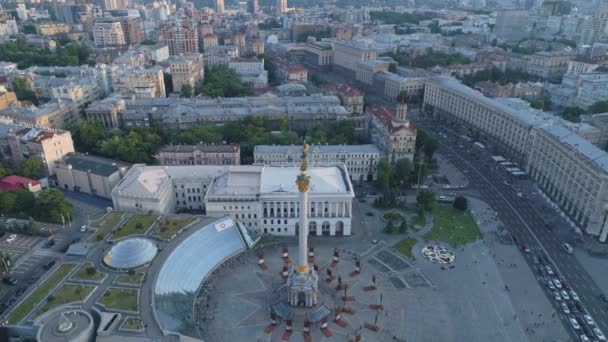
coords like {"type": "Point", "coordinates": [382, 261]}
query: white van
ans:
{"type": "Point", "coordinates": [568, 248]}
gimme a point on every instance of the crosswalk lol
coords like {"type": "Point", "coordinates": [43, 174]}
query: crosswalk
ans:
{"type": "Point", "coordinates": [46, 253]}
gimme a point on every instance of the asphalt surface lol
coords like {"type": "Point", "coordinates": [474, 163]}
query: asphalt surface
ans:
{"type": "Point", "coordinates": [526, 226]}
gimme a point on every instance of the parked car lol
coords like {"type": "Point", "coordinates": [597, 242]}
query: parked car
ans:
{"type": "Point", "coordinates": [535, 259]}
{"type": "Point", "coordinates": [83, 228]}
{"type": "Point", "coordinates": [568, 248]}
{"type": "Point", "coordinates": [525, 248]}
{"type": "Point", "coordinates": [11, 238]}
{"type": "Point", "coordinates": [565, 295]}
{"type": "Point", "coordinates": [550, 285]}
{"type": "Point", "coordinates": [549, 270]}
{"type": "Point", "coordinates": [584, 338]}
{"type": "Point", "coordinates": [575, 324]}
{"type": "Point", "coordinates": [48, 265]}
{"type": "Point", "coordinates": [599, 334]}
{"type": "Point", "coordinates": [574, 295]}
{"type": "Point", "coordinates": [9, 280]}
{"type": "Point", "coordinates": [565, 308]}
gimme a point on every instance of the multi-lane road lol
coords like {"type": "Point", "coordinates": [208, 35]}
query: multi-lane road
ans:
{"type": "Point", "coordinates": [524, 223]}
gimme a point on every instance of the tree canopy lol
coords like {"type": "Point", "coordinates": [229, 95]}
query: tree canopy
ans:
{"type": "Point", "coordinates": [26, 55]}
{"type": "Point", "coordinates": [221, 81]}
{"type": "Point", "coordinates": [23, 91]}
{"type": "Point", "coordinates": [31, 167]}
{"type": "Point", "coordinates": [394, 18]}
{"type": "Point", "coordinates": [49, 205]}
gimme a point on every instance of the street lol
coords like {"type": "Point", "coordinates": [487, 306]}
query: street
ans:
{"type": "Point", "coordinates": [525, 224]}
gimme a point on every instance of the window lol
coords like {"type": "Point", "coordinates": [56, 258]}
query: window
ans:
{"type": "Point", "coordinates": [284, 221]}
{"type": "Point", "coordinates": [279, 230]}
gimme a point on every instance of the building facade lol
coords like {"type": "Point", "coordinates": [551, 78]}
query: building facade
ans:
{"type": "Point", "coordinates": [200, 155]}
{"type": "Point", "coordinates": [89, 174]}
{"type": "Point", "coordinates": [392, 133]}
{"type": "Point", "coordinates": [361, 161]}
{"type": "Point", "coordinates": [108, 34]}
{"type": "Point", "coordinates": [348, 54]}
{"type": "Point", "coordinates": [261, 197]}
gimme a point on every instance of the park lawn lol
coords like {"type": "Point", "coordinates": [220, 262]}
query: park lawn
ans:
{"type": "Point", "coordinates": [105, 224]}
{"type": "Point", "coordinates": [83, 274]}
{"type": "Point", "coordinates": [67, 293]}
{"type": "Point", "coordinates": [405, 246]}
{"type": "Point", "coordinates": [130, 227]}
{"type": "Point", "coordinates": [130, 279]}
{"type": "Point", "coordinates": [170, 226]}
{"type": "Point", "coordinates": [120, 299]}
{"type": "Point", "coordinates": [132, 323]}
{"type": "Point", "coordinates": [39, 294]}
{"type": "Point", "coordinates": [453, 226]}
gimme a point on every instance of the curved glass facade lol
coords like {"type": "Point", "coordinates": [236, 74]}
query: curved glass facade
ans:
{"type": "Point", "coordinates": [130, 253]}
{"type": "Point", "coordinates": [187, 267]}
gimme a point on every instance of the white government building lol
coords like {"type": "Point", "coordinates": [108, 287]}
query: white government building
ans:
{"type": "Point", "coordinates": [264, 198]}
{"type": "Point", "coordinates": [570, 170]}
{"type": "Point", "coordinates": [361, 160]}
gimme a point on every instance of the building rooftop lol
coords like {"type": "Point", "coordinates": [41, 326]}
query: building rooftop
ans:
{"type": "Point", "coordinates": [14, 183]}
{"type": "Point", "coordinates": [579, 145]}
{"type": "Point", "coordinates": [93, 164]}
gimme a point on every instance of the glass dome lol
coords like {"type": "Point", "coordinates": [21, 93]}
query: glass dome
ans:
{"type": "Point", "coordinates": [130, 253]}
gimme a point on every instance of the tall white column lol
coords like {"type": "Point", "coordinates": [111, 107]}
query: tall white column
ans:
{"type": "Point", "coordinates": [303, 238]}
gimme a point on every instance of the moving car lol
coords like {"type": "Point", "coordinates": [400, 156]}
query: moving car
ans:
{"type": "Point", "coordinates": [574, 324]}
{"type": "Point", "coordinates": [599, 334]}
{"type": "Point", "coordinates": [556, 295]}
{"type": "Point", "coordinates": [568, 248]}
{"type": "Point", "coordinates": [557, 283]}
{"type": "Point", "coordinates": [11, 238]}
{"type": "Point", "coordinates": [589, 320]}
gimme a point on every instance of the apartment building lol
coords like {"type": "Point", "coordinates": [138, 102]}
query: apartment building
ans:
{"type": "Point", "coordinates": [180, 38]}
{"type": "Point", "coordinates": [361, 161]}
{"type": "Point", "coordinates": [348, 54]}
{"type": "Point", "coordinates": [201, 154]}
{"type": "Point", "coordinates": [184, 72]}
{"type": "Point", "coordinates": [108, 33]}
{"type": "Point", "coordinates": [107, 111]}
{"type": "Point", "coordinates": [392, 133]}
{"type": "Point", "coordinates": [142, 83]}
{"type": "Point", "coordinates": [19, 141]}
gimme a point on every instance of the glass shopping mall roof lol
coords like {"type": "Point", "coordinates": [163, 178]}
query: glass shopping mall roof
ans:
{"type": "Point", "coordinates": [187, 267]}
{"type": "Point", "coordinates": [130, 253]}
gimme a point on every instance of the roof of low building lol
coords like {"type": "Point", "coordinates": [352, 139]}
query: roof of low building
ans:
{"type": "Point", "coordinates": [93, 164]}
{"type": "Point", "coordinates": [14, 183]}
{"type": "Point", "coordinates": [231, 148]}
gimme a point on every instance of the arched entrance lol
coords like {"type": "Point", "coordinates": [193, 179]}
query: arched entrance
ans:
{"type": "Point", "coordinates": [325, 228]}
{"type": "Point", "coordinates": [339, 228]}
{"type": "Point", "coordinates": [312, 228]}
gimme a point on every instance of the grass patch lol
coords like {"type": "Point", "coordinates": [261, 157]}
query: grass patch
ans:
{"type": "Point", "coordinates": [453, 226]}
{"type": "Point", "coordinates": [42, 291]}
{"type": "Point", "coordinates": [418, 221]}
{"type": "Point", "coordinates": [120, 299]}
{"type": "Point", "coordinates": [67, 293]}
{"type": "Point", "coordinates": [136, 224]}
{"type": "Point", "coordinates": [88, 272]}
{"type": "Point", "coordinates": [170, 226]}
{"type": "Point", "coordinates": [405, 246]}
{"type": "Point", "coordinates": [105, 224]}
{"type": "Point", "coordinates": [134, 278]}
{"type": "Point", "coordinates": [132, 323]}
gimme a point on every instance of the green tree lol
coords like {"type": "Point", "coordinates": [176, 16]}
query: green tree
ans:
{"type": "Point", "coordinates": [384, 174]}
{"type": "Point", "coordinates": [186, 90]}
{"type": "Point", "coordinates": [148, 42]}
{"type": "Point", "coordinates": [425, 144]}
{"type": "Point", "coordinates": [168, 80]}
{"type": "Point", "coordinates": [402, 172]}
{"type": "Point", "coordinates": [24, 202]}
{"type": "Point", "coordinates": [87, 136]}
{"type": "Point", "coordinates": [52, 206]}
{"type": "Point", "coordinates": [23, 91]}
{"type": "Point", "coordinates": [7, 202]}
{"type": "Point", "coordinates": [4, 171]}
{"type": "Point", "coordinates": [426, 200]}
{"type": "Point", "coordinates": [572, 114]}
{"type": "Point", "coordinates": [460, 203]}
{"type": "Point", "coordinates": [221, 81]}
{"type": "Point", "coordinates": [598, 107]}
{"type": "Point", "coordinates": [31, 167]}
{"type": "Point", "coordinates": [206, 134]}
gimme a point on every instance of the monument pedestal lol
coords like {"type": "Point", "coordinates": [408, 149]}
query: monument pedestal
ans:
{"type": "Point", "coordinates": [302, 288]}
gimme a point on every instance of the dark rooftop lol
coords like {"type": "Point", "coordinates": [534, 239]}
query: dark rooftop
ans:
{"type": "Point", "coordinates": [95, 165]}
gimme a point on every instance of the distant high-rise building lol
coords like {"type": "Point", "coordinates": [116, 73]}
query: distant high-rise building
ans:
{"type": "Point", "coordinates": [281, 6]}
{"type": "Point", "coordinates": [115, 4]}
{"type": "Point", "coordinates": [253, 6]}
{"type": "Point", "coordinates": [219, 6]}
{"type": "Point", "coordinates": [180, 38]}
{"type": "Point", "coordinates": [132, 30]}
{"type": "Point", "coordinates": [108, 33]}
{"type": "Point", "coordinates": [511, 25]}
